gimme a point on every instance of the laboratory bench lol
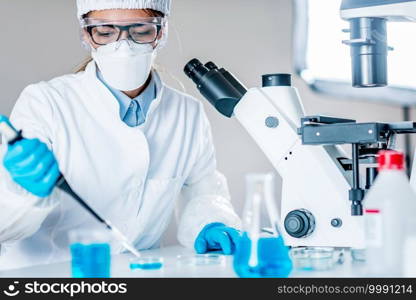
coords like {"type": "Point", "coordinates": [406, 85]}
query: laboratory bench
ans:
{"type": "Point", "coordinates": [173, 268]}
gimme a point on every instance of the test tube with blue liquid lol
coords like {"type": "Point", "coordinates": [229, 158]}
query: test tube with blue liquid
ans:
{"type": "Point", "coordinates": [261, 251]}
{"type": "Point", "coordinates": [91, 253]}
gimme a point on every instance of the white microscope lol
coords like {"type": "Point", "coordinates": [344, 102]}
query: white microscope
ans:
{"type": "Point", "coordinates": [322, 189]}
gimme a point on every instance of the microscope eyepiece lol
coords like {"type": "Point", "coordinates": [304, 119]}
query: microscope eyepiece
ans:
{"type": "Point", "coordinates": [211, 66]}
{"type": "Point", "coordinates": [218, 86]}
{"type": "Point", "coordinates": [195, 70]}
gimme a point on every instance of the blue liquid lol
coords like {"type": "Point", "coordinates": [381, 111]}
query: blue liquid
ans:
{"type": "Point", "coordinates": [273, 258]}
{"type": "Point", "coordinates": [146, 266]}
{"type": "Point", "coordinates": [90, 261]}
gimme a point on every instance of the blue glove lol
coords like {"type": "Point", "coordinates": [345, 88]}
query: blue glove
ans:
{"type": "Point", "coordinates": [33, 166]}
{"type": "Point", "coordinates": [217, 236]}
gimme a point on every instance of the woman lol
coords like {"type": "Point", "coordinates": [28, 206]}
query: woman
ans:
{"type": "Point", "coordinates": [124, 141]}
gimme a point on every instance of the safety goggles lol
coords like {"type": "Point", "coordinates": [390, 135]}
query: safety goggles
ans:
{"type": "Point", "coordinates": [140, 31]}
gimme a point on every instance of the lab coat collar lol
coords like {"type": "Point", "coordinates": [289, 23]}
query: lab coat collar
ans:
{"type": "Point", "coordinates": [145, 98]}
{"type": "Point", "coordinates": [107, 99]}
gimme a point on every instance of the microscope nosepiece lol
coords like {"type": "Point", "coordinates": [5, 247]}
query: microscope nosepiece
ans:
{"type": "Point", "coordinates": [368, 52]}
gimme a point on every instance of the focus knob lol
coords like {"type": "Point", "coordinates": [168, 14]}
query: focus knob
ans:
{"type": "Point", "coordinates": [300, 223]}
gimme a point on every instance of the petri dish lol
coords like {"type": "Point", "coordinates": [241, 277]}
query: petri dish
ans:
{"type": "Point", "coordinates": [300, 258]}
{"type": "Point", "coordinates": [358, 255]}
{"type": "Point", "coordinates": [201, 260]}
{"type": "Point", "coordinates": [146, 263]}
{"type": "Point", "coordinates": [313, 258]}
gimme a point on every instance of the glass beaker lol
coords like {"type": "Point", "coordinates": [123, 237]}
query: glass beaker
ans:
{"type": "Point", "coordinates": [91, 254]}
{"type": "Point", "coordinates": [261, 251]}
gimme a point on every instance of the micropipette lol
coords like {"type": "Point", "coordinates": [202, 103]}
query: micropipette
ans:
{"type": "Point", "coordinates": [11, 135]}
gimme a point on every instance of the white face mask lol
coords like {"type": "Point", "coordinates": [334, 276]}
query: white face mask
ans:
{"type": "Point", "coordinates": [125, 65]}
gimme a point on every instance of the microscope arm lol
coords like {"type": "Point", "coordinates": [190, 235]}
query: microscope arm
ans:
{"type": "Point", "coordinates": [315, 185]}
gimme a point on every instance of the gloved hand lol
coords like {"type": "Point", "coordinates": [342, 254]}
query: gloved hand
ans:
{"type": "Point", "coordinates": [33, 166]}
{"type": "Point", "coordinates": [217, 236]}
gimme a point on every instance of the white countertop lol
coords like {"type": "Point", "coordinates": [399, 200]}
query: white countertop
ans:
{"type": "Point", "coordinates": [171, 268]}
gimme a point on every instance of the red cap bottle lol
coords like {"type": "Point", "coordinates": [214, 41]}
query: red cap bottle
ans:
{"type": "Point", "coordinates": [390, 160]}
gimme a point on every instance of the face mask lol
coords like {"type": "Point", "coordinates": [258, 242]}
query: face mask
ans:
{"type": "Point", "coordinates": [125, 65]}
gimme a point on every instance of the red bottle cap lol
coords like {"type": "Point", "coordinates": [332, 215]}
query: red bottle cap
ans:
{"type": "Point", "coordinates": [390, 160]}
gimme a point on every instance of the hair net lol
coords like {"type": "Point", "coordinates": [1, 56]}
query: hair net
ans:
{"type": "Point", "coordinates": [86, 6]}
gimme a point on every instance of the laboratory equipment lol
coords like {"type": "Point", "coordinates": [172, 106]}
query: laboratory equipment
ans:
{"type": "Point", "coordinates": [146, 263]}
{"type": "Point", "coordinates": [200, 260]}
{"type": "Point", "coordinates": [91, 254]}
{"type": "Point", "coordinates": [390, 209]}
{"type": "Point", "coordinates": [358, 255]}
{"type": "Point", "coordinates": [261, 254]}
{"type": "Point", "coordinates": [324, 64]}
{"type": "Point", "coordinates": [11, 135]}
{"type": "Point", "coordinates": [368, 36]}
{"type": "Point", "coordinates": [322, 189]}
{"type": "Point", "coordinates": [313, 258]}
{"type": "Point", "coordinates": [366, 139]}
{"type": "Point", "coordinates": [368, 20]}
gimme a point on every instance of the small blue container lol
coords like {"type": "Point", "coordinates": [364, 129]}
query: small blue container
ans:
{"type": "Point", "coordinates": [91, 252]}
{"type": "Point", "coordinates": [91, 261]}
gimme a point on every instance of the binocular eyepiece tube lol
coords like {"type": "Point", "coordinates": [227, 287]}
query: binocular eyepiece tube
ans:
{"type": "Point", "coordinates": [218, 86]}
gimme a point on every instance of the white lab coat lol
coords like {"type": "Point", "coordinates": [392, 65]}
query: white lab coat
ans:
{"type": "Point", "coordinates": [132, 176]}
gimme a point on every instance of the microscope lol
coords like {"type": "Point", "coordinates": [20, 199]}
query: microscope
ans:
{"type": "Point", "coordinates": [323, 189]}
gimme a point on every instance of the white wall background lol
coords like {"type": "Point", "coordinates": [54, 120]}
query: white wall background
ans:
{"type": "Point", "coordinates": [40, 40]}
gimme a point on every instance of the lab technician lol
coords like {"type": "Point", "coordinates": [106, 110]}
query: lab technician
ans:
{"type": "Point", "coordinates": [125, 142]}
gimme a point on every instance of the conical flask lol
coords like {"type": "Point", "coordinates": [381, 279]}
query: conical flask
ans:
{"type": "Point", "coordinates": [261, 251]}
